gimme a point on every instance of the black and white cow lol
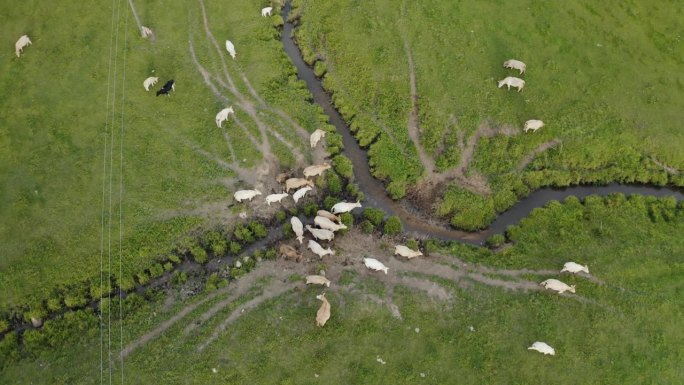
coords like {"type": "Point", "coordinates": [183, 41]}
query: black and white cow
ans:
{"type": "Point", "coordinates": [168, 86]}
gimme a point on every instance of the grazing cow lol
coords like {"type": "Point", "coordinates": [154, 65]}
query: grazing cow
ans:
{"type": "Point", "coordinates": [511, 81]}
{"type": "Point", "coordinates": [283, 176]}
{"type": "Point", "coordinates": [556, 285]}
{"type": "Point", "coordinates": [329, 215]}
{"type": "Point", "coordinates": [406, 252]}
{"type": "Point", "coordinates": [572, 267]}
{"type": "Point", "coordinates": [542, 347]}
{"type": "Point", "coordinates": [168, 87]}
{"type": "Point", "coordinates": [317, 249]}
{"type": "Point", "coordinates": [21, 43]}
{"type": "Point", "coordinates": [293, 183]}
{"type": "Point", "coordinates": [298, 228]}
{"type": "Point", "coordinates": [533, 125]}
{"type": "Point", "coordinates": [323, 313]}
{"type": "Point", "coordinates": [321, 234]}
{"type": "Point", "coordinates": [289, 252]}
{"type": "Point", "coordinates": [300, 193]}
{"type": "Point", "coordinates": [316, 136]}
{"type": "Point", "coordinates": [317, 280]}
{"type": "Point", "coordinates": [230, 48]}
{"type": "Point", "coordinates": [374, 264]}
{"type": "Point", "coordinates": [275, 198]}
{"type": "Point", "coordinates": [222, 116]}
{"type": "Point", "coordinates": [327, 224]}
{"type": "Point", "coordinates": [242, 195]}
{"type": "Point", "coordinates": [145, 32]}
{"type": "Point", "coordinates": [345, 207]}
{"type": "Point", "coordinates": [516, 65]}
{"type": "Point", "coordinates": [149, 82]}
{"type": "Point", "coordinates": [266, 11]}
{"type": "Point", "coordinates": [318, 169]}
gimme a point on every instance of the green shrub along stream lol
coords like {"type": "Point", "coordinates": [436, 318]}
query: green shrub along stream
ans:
{"type": "Point", "coordinates": [604, 78]}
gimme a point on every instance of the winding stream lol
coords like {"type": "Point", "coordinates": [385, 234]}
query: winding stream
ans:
{"type": "Point", "coordinates": [414, 223]}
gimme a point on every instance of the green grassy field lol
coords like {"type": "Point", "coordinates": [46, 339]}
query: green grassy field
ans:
{"type": "Point", "coordinates": [604, 78]}
{"type": "Point", "coordinates": [624, 329]}
{"type": "Point", "coordinates": [58, 155]}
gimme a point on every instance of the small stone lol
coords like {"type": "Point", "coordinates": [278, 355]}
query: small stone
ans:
{"type": "Point", "coordinates": [316, 375]}
{"type": "Point", "coordinates": [417, 330]}
{"type": "Point", "coordinates": [238, 265]}
{"type": "Point", "coordinates": [422, 375]}
{"type": "Point", "coordinates": [243, 215]}
{"type": "Point", "coordinates": [471, 328]}
{"type": "Point", "coordinates": [245, 258]}
{"type": "Point", "coordinates": [213, 370]}
{"type": "Point", "coordinates": [36, 322]}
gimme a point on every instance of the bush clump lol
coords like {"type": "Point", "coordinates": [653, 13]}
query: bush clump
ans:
{"type": "Point", "coordinates": [343, 166]}
{"type": "Point", "coordinates": [375, 216]}
{"type": "Point", "coordinates": [392, 226]}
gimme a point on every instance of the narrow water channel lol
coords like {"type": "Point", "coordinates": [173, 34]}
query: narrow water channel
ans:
{"type": "Point", "coordinates": [414, 224]}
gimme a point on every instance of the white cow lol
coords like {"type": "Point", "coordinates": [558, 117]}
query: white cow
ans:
{"type": "Point", "coordinates": [345, 207]}
{"type": "Point", "coordinates": [149, 82]}
{"type": "Point", "coordinates": [275, 198]}
{"type": "Point", "coordinates": [300, 193]}
{"type": "Point", "coordinates": [316, 136]}
{"type": "Point", "coordinates": [322, 234]}
{"type": "Point", "coordinates": [298, 228]}
{"type": "Point", "coordinates": [556, 285]}
{"type": "Point", "coordinates": [374, 264]}
{"type": "Point", "coordinates": [511, 81]}
{"type": "Point", "coordinates": [317, 280]}
{"type": "Point", "coordinates": [329, 215]}
{"type": "Point", "coordinates": [297, 183]}
{"type": "Point", "coordinates": [318, 249]}
{"type": "Point", "coordinates": [542, 347]}
{"type": "Point", "coordinates": [572, 267]}
{"type": "Point", "coordinates": [145, 32]}
{"type": "Point", "coordinates": [323, 314]}
{"type": "Point", "coordinates": [222, 116]}
{"type": "Point", "coordinates": [533, 125]}
{"type": "Point", "coordinates": [230, 48]}
{"type": "Point", "coordinates": [23, 42]}
{"type": "Point", "coordinates": [516, 65]}
{"type": "Point", "coordinates": [241, 195]}
{"type": "Point", "coordinates": [314, 170]}
{"type": "Point", "coordinates": [406, 252]}
{"type": "Point", "coordinates": [266, 11]}
{"type": "Point", "coordinates": [327, 224]}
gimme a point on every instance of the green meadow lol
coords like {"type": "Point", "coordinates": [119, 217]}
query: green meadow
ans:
{"type": "Point", "coordinates": [605, 78]}
{"type": "Point", "coordinates": [622, 326]}
{"type": "Point", "coordinates": [72, 165]}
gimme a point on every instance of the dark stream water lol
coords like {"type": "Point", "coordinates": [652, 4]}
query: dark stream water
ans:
{"type": "Point", "coordinates": [415, 223]}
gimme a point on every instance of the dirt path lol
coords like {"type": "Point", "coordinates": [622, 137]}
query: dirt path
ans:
{"type": "Point", "coordinates": [670, 170]}
{"type": "Point", "coordinates": [413, 126]}
{"type": "Point", "coordinates": [156, 332]}
{"type": "Point", "coordinates": [271, 291]}
{"type": "Point", "coordinates": [136, 17]}
{"type": "Point", "coordinates": [541, 148]}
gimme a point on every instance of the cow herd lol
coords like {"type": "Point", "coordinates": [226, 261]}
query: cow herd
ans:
{"type": "Point", "coordinates": [512, 81]}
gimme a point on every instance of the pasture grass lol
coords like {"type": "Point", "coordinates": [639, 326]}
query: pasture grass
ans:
{"type": "Point", "coordinates": [605, 78]}
{"type": "Point", "coordinates": [624, 331]}
{"type": "Point", "coordinates": [54, 163]}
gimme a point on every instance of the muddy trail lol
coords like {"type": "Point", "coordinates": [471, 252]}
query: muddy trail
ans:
{"type": "Point", "coordinates": [420, 222]}
{"type": "Point", "coordinates": [273, 279]}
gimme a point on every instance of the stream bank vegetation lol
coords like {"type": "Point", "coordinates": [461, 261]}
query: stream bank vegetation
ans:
{"type": "Point", "coordinates": [474, 310]}
{"type": "Point", "coordinates": [416, 83]}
